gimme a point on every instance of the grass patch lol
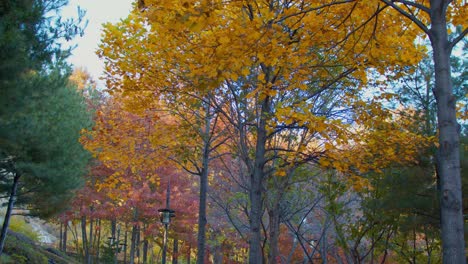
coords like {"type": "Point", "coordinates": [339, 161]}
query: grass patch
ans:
{"type": "Point", "coordinates": [20, 249]}
{"type": "Point", "coordinates": [19, 225]}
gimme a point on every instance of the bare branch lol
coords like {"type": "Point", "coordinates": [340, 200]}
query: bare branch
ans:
{"type": "Point", "coordinates": [458, 38]}
{"type": "Point", "coordinates": [229, 216]}
{"type": "Point", "coordinates": [185, 168]}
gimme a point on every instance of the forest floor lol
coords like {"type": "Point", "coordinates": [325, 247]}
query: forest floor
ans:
{"type": "Point", "coordinates": [21, 249]}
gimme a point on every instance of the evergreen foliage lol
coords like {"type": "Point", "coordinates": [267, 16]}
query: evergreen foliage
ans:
{"type": "Point", "coordinates": [41, 115]}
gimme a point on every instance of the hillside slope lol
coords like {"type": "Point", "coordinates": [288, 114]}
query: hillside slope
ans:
{"type": "Point", "coordinates": [21, 249]}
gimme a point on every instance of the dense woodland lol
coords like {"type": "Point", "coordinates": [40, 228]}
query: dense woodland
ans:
{"type": "Point", "coordinates": [278, 131]}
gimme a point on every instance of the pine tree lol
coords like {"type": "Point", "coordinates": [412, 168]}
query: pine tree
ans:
{"type": "Point", "coordinates": [41, 116]}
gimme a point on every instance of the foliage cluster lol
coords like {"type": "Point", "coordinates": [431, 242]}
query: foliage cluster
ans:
{"type": "Point", "coordinates": [42, 113]}
{"type": "Point", "coordinates": [265, 100]}
{"type": "Point", "coordinates": [279, 131]}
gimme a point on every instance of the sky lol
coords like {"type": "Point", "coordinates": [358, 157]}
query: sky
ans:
{"type": "Point", "coordinates": [97, 13]}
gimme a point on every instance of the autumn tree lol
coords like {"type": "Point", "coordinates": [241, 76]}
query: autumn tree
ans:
{"type": "Point", "coordinates": [254, 55]}
{"type": "Point", "coordinates": [436, 19]}
{"type": "Point", "coordinates": [414, 93]}
{"type": "Point", "coordinates": [134, 146]}
{"type": "Point", "coordinates": [194, 142]}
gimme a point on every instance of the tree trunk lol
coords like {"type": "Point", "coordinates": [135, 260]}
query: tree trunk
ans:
{"type": "Point", "coordinates": [61, 235]}
{"type": "Point", "coordinates": [189, 253]}
{"type": "Point", "coordinates": [90, 242]}
{"type": "Point", "coordinates": [138, 242]}
{"type": "Point", "coordinates": [11, 203]}
{"type": "Point", "coordinates": [84, 239]}
{"type": "Point", "coordinates": [256, 188]}
{"type": "Point", "coordinates": [202, 216]}
{"type": "Point", "coordinates": [175, 252]}
{"type": "Point", "coordinates": [113, 228]}
{"type": "Point", "coordinates": [324, 243]}
{"type": "Point", "coordinates": [98, 241]}
{"type": "Point", "coordinates": [113, 238]}
{"type": "Point", "coordinates": [117, 244]}
{"type": "Point", "coordinates": [274, 228]}
{"type": "Point", "coordinates": [125, 245]}
{"type": "Point", "coordinates": [293, 249]}
{"type": "Point", "coordinates": [201, 239]}
{"type": "Point", "coordinates": [65, 237]}
{"type": "Point", "coordinates": [145, 251]}
{"type": "Point", "coordinates": [448, 157]}
{"type": "Point", "coordinates": [133, 243]}
{"type": "Point", "coordinates": [218, 254]}
{"type": "Point", "coordinates": [74, 232]}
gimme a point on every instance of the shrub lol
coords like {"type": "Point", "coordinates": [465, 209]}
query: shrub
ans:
{"type": "Point", "coordinates": [19, 248]}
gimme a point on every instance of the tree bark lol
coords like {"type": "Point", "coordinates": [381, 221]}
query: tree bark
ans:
{"type": "Point", "coordinates": [74, 232]}
{"type": "Point", "coordinates": [90, 242]}
{"type": "Point", "coordinates": [189, 254]}
{"type": "Point", "coordinates": [98, 241]}
{"type": "Point", "coordinates": [117, 241]}
{"type": "Point", "coordinates": [125, 245]}
{"type": "Point", "coordinates": [84, 239]}
{"type": "Point", "coordinates": [202, 216]}
{"type": "Point", "coordinates": [448, 157]}
{"type": "Point", "coordinates": [11, 203]}
{"type": "Point", "coordinates": [138, 242]}
{"type": "Point", "coordinates": [61, 235]}
{"type": "Point", "coordinates": [65, 237]}
{"type": "Point", "coordinates": [113, 227]}
{"type": "Point", "coordinates": [256, 188]}
{"type": "Point", "coordinates": [113, 237]}
{"type": "Point", "coordinates": [218, 254]}
{"type": "Point", "coordinates": [133, 244]}
{"type": "Point", "coordinates": [273, 230]}
{"type": "Point", "coordinates": [201, 239]}
{"type": "Point", "coordinates": [145, 251]}
{"type": "Point", "coordinates": [175, 252]}
{"type": "Point", "coordinates": [323, 248]}
{"type": "Point", "coordinates": [133, 239]}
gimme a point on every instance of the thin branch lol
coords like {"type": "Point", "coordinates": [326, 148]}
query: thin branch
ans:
{"type": "Point", "coordinates": [185, 168]}
{"type": "Point", "coordinates": [458, 38]}
{"type": "Point", "coordinates": [413, 4]}
{"type": "Point", "coordinates": [314, 9]}
{"type": "Point", "coordinates": [218, 144]}
{"type": "Point", "coordinates": [228, 214]}
{"type": "Point", "coordinates": [409, 16]}
{"type": "Point", "coordinates": [219, 155]}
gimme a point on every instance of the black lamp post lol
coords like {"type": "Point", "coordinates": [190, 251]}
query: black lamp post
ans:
{"type": "Point", "coordinates": [165, 215]}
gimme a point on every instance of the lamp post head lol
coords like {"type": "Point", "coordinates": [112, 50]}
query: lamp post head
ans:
{"type": "Point", "coordinates": [165, 215]}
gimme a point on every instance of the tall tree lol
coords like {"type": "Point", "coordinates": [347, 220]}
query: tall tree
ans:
{"type": "Point", "coordinates": [136, 148]}
{"type": "Point", "coordinates": [43, 153]}
{"type": "Point", "coordinates": [29, 35]}
{"type": "Point", "coordinates": [258, 53]}
{"type": "Point", "coordinates": [41, 114]}
{"type": "Point", "coordinates": [436, 18]}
